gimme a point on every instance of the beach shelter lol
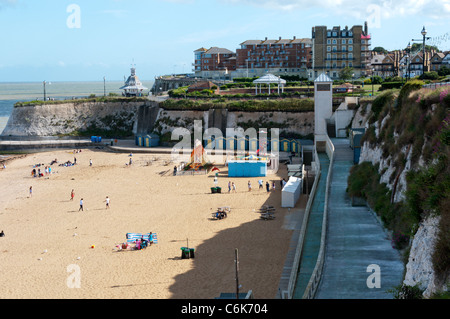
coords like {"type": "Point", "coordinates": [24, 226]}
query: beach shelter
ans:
{"type": "Point", "coordinates": [269, 79]}
{"type": "Point", "coordinates": [291, 192]}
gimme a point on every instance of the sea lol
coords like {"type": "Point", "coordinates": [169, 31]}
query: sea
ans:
{"type": "Point", "coordinates": [13, 92]}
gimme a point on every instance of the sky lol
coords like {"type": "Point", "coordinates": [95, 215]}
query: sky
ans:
{"type": "Point", "coordinates": [81, 40]}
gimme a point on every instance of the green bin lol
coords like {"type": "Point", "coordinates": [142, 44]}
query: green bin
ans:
{"type": "Point", "coordinates": [219, 189]}
{"type": "Point", "coordinates": [213, 190]}
{"type": "Point", "coordinates": [191, 253]}
{"type": "Point", "coordinates": [184, 253]}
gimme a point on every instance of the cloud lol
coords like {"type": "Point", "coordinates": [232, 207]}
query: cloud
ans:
{"type": "Point", "coordinates": [7, 3]}
{"type": "Point", "coordinates": [437, 9]}
{"type": "Point", "coordinates": [116, 13]}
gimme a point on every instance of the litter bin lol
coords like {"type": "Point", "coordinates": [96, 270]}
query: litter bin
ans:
{"type": "Point", "coordinates": [191, 253]}
{"type": "Point", "coordinates": [219, 189]}
{"type": "Point", "coordinates": [184, 253]}
{"type": "Point", "coordinates": [213, 190]}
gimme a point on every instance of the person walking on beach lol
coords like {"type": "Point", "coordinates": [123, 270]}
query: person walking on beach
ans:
{"type": "Point", "coordinates": [249, 186]}
{"type": "Point", "coordinates": [72, 195]}
{"type": "Point", "coordinates": [229, 186]}
{"type": "Point", "coordinates": [260, 182]}
{"type": "Point", "coordinates": [273, 185]}
{"type": "Point", "coordinates": [31, 191]}
{"type": "Point", "coordinates": [107, 202]}
{"type": "Point", "coordinates": [81, 205]}
{"type": "Point", "coordinates": [234, 187]}
{"type": "Point", "coordinates": [90, 162]}
{"type": "Point", "coordinates": [267, 186]}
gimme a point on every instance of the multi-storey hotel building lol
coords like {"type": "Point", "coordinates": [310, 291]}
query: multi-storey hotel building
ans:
{"type": "Point", "coordinates": [335, 49]}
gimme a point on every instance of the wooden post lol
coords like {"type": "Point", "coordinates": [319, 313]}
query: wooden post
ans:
{"type": "Point", "coordinates": [237, 271]}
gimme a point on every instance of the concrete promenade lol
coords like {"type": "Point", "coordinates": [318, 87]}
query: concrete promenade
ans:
{"type": "Point", "coordinates": [311, 245]}
{"type": "Point", "coordinates": [356, 243]}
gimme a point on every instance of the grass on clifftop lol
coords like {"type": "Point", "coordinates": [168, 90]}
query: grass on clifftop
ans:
{"type": "Point", "coordinates": [83, 100]}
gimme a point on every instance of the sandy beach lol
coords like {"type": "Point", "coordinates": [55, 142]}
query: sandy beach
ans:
{"type": "Point", "coordinates": [47, 237]}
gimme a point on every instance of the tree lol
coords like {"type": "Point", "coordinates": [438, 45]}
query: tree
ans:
{"type": "Point", "coordinates": [346, 73]}
{"type": "Point", "coordinates": [444, 70]}
{"type": "Point", "coordinates": [418, 47]}
{"type": "Point", "coordinates": [380, 50]}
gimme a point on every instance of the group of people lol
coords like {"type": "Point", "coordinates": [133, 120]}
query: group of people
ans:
{"type": "Point", "coordinates": [269, 186]}
{"type": "Point", "coordinates": [72, 195]}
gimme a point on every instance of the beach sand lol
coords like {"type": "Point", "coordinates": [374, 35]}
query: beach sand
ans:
{"type": "Point", "coordinates": [48, 241]}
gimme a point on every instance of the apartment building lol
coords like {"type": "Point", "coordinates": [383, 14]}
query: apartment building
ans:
{"type": "Point", "coordinates": [214, 62]}
{"type": "Point", "coordinates": [335, 49]}
{"type": "Point", "coordinates": [275, 56]}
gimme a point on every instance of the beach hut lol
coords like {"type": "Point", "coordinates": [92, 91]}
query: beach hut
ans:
{"type": "Point", "coordinates": [151, 140]}
{"type": "Point", "coordinates": [253, 144]}
{"type": "Point", "coordinates": [242, 143]}
{"type": "Point", "coordinates": [139, 140]}
{"type": "Point", "coordinates": [285, 145]}
{"type": "Point", "coordinates": [231, 143]}
{"type": "Point", "coordinates": [295, 146]}
{"type": "Point", "coordinates": [291, 192]}
{"type": "Point", "coordinates": [274, 145]}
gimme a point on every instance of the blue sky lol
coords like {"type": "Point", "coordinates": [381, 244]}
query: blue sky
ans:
{"type": "Point", "coordinates": [43, 40]}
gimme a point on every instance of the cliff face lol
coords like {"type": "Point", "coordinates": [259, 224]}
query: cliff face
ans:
{"type": "Point", "coordinates": [402, 137]}
{"type": "Point", "coordinates": [67, 118]}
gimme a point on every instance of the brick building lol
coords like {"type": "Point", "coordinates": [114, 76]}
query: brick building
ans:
{"type": "Point", "coordinates": [336, 48]}
{"type": "Point", "coordinates": [214, 63]}
{"type": "Point", "coordinates": [278, 57]}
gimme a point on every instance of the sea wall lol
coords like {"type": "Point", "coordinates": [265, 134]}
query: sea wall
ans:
{"type": "Point", "coordinates": [287, 122]}
{"type": "Point", "coordinates": [72, 117]}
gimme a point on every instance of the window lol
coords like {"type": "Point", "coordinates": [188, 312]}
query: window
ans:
{"type": "Point", "coordinates": [344, 48]}
{"type": "Point", "coordinates": [328, 48]}
{"type": "Point", "coordinates": [328, 34]}
{"type": "Point", "coordinates": [350, 41]}
{"type": "Point", "coordinates": [350, 64]}
{"type": "Point", "coordinates": [328, 56]}
{"type": "Point", "coordinates": [363, 41]}
{"type": "Point", "coordinates": [334, 41]}
{"type": "Point", "coordinates": [343, 64]}
{"type": "Point", "coordinates": [343, 40]}
{"type": "Point", "coordinates": [334, 49]}
{"type": "Point", "coordinates": [328, 41]}
{"type": "Point", "coordinates": [344, 34]}
{"type": "Point", "coordinates": [334, 34]}
{"type": "Point", "coordinates": [350, 55]}
{"type": "Point", "coordinates": [343, 56]}
{"type": "Point", "coordinates": [350, 48]}
{"type": "Point", "coordinates": [350, 33]}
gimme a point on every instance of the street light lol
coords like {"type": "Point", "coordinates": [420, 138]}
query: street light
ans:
{"type": "Point", "coordinates": [424, 33]}
{"type": "Point", "coordinates": [372, 79]}
{"type": "Point", "coordinates": [44, 92]}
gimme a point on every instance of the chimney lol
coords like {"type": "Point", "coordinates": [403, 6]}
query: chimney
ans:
{"type": "Point", "coordinates": [279, 38]}
{"type": "Point", "coordinates": [265, 39]}
{"type": "Point", "coordinates": [294, 37]}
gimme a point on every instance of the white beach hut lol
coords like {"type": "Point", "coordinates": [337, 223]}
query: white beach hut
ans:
{"type": "Point", "coordinates": [269, 79]}
{"type": "Point", "coordinates": [291, 192]}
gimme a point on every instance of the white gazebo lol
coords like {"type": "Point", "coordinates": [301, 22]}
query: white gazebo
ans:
{"type": "Point", "coordinates": [269, 79]}
{"type": "Point", "coordinates": [133, 86]}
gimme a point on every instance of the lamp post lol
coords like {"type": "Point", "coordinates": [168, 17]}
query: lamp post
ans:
{"type": "Point", "coordinates": [372, 79]}
{"type": "Point", "coordinates": [353, 82]}
{"type": "Point", "coordinates": [424, 33]}
{"type": "Point", "coordinates": [44, 92]}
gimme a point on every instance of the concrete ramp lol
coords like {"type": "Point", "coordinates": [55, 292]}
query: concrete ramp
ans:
{"type": "Point", "coordinates": [356, 243]}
